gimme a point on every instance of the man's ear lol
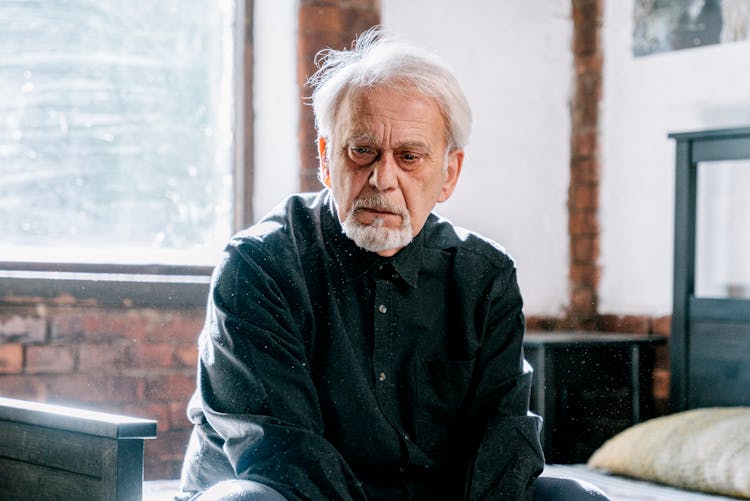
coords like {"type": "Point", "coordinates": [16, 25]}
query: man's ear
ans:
{"type": "Point", "coordinates": [455, 162]}
{"type": "Point", "coordinates": [325, 173]}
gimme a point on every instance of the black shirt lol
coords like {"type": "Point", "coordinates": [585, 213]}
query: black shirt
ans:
{"type": "Point", "coordinates": [330, 372]}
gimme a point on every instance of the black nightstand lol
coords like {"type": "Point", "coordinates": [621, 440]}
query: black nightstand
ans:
{"type": "Point", "coordinates": [588, 386]}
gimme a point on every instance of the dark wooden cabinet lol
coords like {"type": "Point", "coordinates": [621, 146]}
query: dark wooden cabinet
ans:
{"type": "Point", "coordinates": [588, 386]}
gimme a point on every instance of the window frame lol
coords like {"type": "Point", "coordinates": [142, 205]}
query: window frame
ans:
{"type": "Point", "coordinates": [25, 283]}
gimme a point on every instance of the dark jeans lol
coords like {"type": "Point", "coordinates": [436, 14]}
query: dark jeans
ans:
{"type": "Point", "coordinates": [545, 489]}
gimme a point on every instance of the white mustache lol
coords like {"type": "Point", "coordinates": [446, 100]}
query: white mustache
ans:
{"type": "Point", "coordinates": [376, 202]}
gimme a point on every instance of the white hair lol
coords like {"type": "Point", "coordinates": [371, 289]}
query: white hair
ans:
{"type": "Point", "coordinates": [378, 59]}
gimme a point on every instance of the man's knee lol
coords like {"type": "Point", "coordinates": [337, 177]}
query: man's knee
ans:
{"type": "Point", "coordinates": [566, 489]}
{"type": "Point", "coordinates": [240, 490]}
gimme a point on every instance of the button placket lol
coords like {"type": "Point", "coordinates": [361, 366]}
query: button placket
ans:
{"type": "Point", "coordinates": [382, 356]}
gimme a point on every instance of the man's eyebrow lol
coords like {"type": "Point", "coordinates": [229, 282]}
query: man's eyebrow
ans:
{"type": "Point", "coordinates": [414, 145]}
{"type": "Point", "coordinates": [360, 138]}
{"type": "Point", "coordinates": [420, 146]}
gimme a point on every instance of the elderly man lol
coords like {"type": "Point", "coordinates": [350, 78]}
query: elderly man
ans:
{"type": "Point", "coordinates": [357, 346]}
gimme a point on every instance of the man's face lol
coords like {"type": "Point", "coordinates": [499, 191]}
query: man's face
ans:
{"type": "Point", "coordinates": [387, 165]}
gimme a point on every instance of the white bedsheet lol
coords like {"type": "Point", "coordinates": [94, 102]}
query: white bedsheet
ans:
{"type": "Point", "coordinates": [626, 489]}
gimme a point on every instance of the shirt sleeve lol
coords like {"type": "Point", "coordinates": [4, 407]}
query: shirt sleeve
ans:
{"type": "Point", "coordinates": [509, 456]}
{"type": "Point", "coordinates": [256, 386]}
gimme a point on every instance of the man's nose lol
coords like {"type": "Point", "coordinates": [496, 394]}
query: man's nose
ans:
{"type": "Point", "coordinates": [384, 173]}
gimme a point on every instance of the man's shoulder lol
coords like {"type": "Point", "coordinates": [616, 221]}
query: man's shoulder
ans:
{"type": "Point", "coordinates": [292, 225]}
{"type": "Point", "coordinates": [294, 213]}
{"type": "Point", "coordinates": [443, 235]}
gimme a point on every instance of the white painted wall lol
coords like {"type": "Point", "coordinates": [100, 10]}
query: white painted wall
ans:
{"type": "Point", "coordinates": [513, 59]}
{"type": "Point", "coordinates": [644, 99]}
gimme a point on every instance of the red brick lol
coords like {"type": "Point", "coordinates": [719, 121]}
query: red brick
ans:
{"type": "Point", "coordinates": [11, 358]}
{"type": "Point", "coordinates": [662, 325]}
{"type": "Point", "coordinates": [584, 170]}
{"type": "Point", "coordinates": [585, 275]}
{"type": "Point", "coordinates": [178, 327]}
{"type": "Point", "coordinates": [536, 323]}
{"type": "Point", "coordinates": [66, 328]}
{"type": "Point", "coordinates": [49, 359]}
{"type": "Point", "coordinates": [585, 249]}
{"type": "Point", "coordinates": [102, 358]}
{"type": "Point", "coordinates": [358, 19]}
{"type": "Point", "coordinates": [169, 387]}
{"type": "Point", "coordinates": [319, 19]}
{"type": "Point", "coordinates": [583, 301]}
{"type": "Point", "coordinates": [102, 326]}
{"type": "Point", "coordinates": [585, 42]}
{"type": "Point", "coordinates": [584, 141]}
{"type": "Point", "coordinates": [151, 355]}
{"type": "Point", "coordinates": [636, 323]}
{"type": "Point", "coordinates": [661, 384]}
{"type": "Point", "coordinates": [178, 419]}
{"type": "Point", "coordinates": [156, 468]}
{"type": "Point", "coordinates": [170, 445]}
{"type": "Point", "coordinates": [583, 223]}
{"type": "Point", "coordinates": [585, 197]}
{"type": "Point", "coordinates": [95, 389]}
{"type": "Point", "coordinates": [23, 329]}
{"type": "Point", "coordinates": [23, 387]}
{"type": "Point", "coordinates": [187, 356]}
{"type": "Point", "coordinates": [662, 357]}
{"type": "Point", "coordinates": [625, 323]}
{"type": "Point", "coordinates": [585, 116]}
{"type": "Point", "coordinates": [587, 16]}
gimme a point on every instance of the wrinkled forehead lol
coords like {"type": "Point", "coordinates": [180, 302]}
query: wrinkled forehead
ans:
{"type": "Point", "coordinates": [359, 104]}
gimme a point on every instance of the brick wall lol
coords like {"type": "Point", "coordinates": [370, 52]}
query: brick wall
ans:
{"type": "Point", "coordinates": [139, 362]}
{"type": "Point", "coordinates": [583, 191]}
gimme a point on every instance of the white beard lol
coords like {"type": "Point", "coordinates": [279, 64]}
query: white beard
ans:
{"type": "Point", "coordinates": [376, 237]}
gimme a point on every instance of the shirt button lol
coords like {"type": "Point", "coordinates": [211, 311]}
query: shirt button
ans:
{"type": "Point", "coordinates": [381, 376]}
{"type": "Point", "coordinates": [382, 308]}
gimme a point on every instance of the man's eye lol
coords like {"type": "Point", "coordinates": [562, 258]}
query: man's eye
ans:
{"type": "Point", "coordinates": [362, 155]}
{"type": "Point", "coordinates": [409, 160]}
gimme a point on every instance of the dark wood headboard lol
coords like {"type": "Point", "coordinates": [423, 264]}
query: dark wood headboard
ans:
{"type": "Point", "coordinates": [53, 452]}
{"type": "Point", "coordinates": [710, 341]}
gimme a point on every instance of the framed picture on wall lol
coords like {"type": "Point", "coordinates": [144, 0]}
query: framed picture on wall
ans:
{"type": "Point", "coordinates": [668, 25]}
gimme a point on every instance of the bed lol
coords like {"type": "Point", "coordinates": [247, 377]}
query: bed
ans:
{"type": "Point", "coordinates": [704, 443]}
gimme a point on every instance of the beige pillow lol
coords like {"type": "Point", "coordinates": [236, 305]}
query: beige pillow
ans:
{"type": "Point", "coordinates": [702, 449]}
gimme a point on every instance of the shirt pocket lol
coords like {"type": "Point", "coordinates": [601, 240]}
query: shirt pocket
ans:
{"type": "Point", "coordinates": [441, 388]}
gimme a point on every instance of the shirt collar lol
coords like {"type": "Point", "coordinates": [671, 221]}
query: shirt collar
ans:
{"type": "Point", "coordinates": [356, 261]}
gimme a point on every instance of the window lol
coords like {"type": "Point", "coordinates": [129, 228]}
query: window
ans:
{"type": "Point", "coordinates": [119, 135]}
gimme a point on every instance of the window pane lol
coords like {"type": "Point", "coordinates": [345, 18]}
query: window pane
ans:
{"type": "Point", "coordinates": [723, 230]}
{"type": "Point", "coordinates": [116, 130]}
